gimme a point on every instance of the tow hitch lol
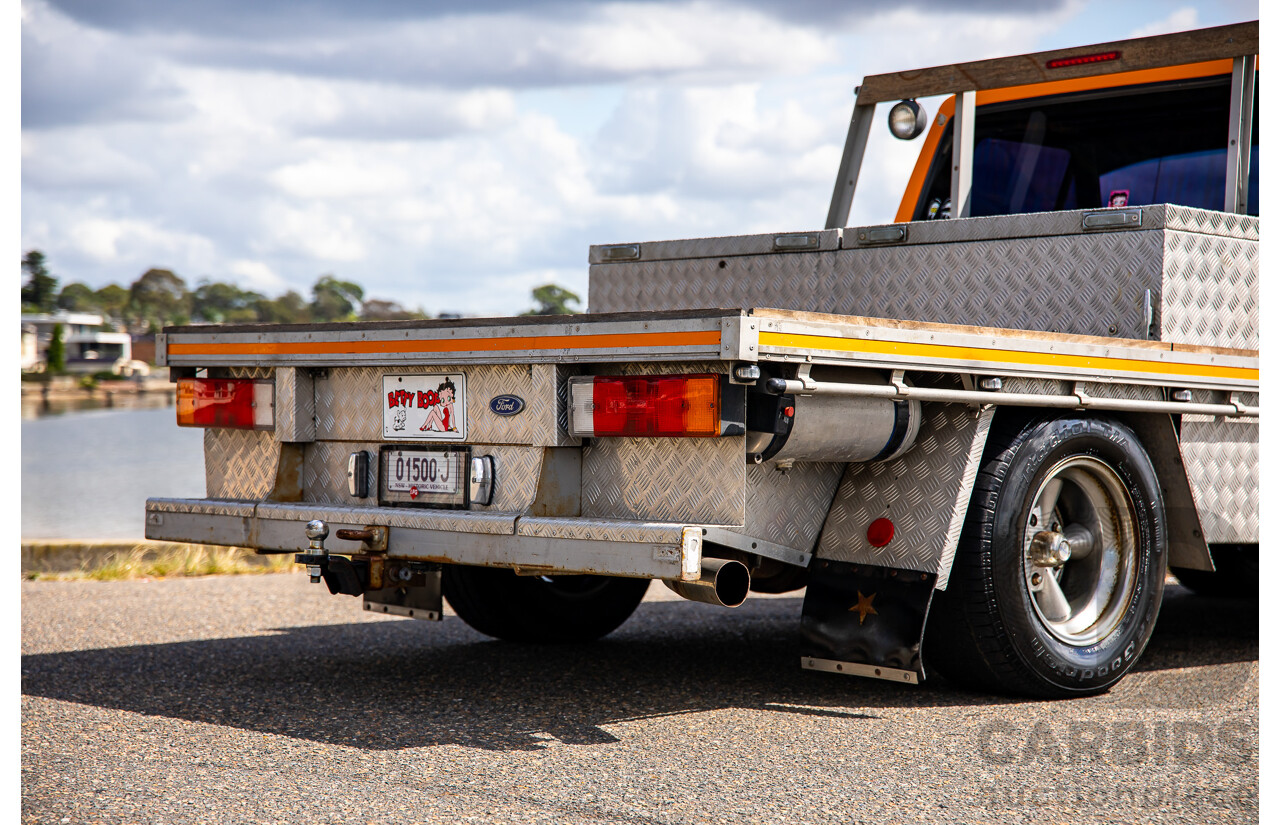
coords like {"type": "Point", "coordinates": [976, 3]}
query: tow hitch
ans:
{"type": "Point", "coordinates": [341, 574]}
{"type": "Point", "coordinates": [398, 587]}
{"type": "Point", "coordinates": [317, 559]}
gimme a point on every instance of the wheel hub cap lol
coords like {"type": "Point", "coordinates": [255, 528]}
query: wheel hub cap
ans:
{"type": "Point", "coordinates": [1049, 549]}
{"type": "Point", "coordinates": [1080, 551]}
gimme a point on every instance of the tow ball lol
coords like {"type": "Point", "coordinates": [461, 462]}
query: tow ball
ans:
{"type": "Point", "coordinates": [340, 574]}
{"type": "Point", "coordinates": [316, 558]}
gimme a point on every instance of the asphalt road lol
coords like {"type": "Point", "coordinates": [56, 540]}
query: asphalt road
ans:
{"type": "Point", "coordinates": [263, 699]}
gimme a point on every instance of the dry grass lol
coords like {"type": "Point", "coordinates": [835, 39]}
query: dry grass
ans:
{"type": "Point", "coordinates": [151, 561]}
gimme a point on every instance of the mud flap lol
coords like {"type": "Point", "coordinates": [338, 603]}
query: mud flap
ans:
{"type": "Point", "coordinates": [865, 620]}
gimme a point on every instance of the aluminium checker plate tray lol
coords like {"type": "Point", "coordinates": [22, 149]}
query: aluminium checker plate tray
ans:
{"type": "Point", "coordinates": [1196, 269]}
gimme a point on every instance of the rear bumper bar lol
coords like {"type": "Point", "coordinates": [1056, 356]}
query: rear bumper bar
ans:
{"type": "Point", "coordinates": [528, 544]}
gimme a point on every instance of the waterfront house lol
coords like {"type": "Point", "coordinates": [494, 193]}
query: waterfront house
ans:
{"type": "Point", "coordinates": [91, 346]}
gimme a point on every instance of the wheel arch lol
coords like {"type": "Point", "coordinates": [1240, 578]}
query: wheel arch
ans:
{"type": "Point", "coordinates": [1188, 547]}
{"type": "Point", "coordinates": [962, 440]}
{"type": "Point", "coordinates": [1158, 435]}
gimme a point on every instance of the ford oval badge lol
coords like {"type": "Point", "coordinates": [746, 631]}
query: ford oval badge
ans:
{"type": "Point", "coordinates": [506, 405]}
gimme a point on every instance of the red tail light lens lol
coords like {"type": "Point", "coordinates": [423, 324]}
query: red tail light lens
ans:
{"type": "Point", "coordinates": [650, 405]}
{"type": "Point", "coordinates": [238, 404]}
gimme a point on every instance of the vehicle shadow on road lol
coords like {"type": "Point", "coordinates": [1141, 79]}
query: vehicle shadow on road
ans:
{"type": "Point", "coordinates": [405, 684]}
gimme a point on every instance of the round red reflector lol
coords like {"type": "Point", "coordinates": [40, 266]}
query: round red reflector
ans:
{"type": "Point", "coordinates": [789, 411]}
{"type": "Point", "coordinates": [880, 532]}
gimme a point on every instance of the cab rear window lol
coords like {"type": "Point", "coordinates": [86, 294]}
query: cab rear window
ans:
{"type": "Point", "coordinates": [1159, 143]}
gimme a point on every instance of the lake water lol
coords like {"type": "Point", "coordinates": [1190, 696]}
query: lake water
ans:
{"type": "Point", "coordinates": [87, 474]}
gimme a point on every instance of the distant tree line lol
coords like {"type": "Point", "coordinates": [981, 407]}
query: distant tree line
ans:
{"type": "Point", "coordinates": [159, 297]}
{"type": "Point", "coordinates": [553, 300]}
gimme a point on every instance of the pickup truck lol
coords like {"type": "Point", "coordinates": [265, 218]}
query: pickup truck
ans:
{"type": "Point", "coordinates": [979, 437]}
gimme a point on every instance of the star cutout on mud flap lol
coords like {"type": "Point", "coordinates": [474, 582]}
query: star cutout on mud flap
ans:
{"type": "Point", "coordinates": [863, 608]}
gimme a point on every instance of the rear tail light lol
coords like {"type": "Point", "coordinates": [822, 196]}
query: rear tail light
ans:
{"type": "Point", "coordinates": [239, 404]}
{"type": "Point", "coordinates": [649, 405]}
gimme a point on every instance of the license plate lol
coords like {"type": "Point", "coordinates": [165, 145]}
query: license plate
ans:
{"type": "Point", "coordinates": [424, 477]}
{"type": "Point", "coordinates": [426, 472]}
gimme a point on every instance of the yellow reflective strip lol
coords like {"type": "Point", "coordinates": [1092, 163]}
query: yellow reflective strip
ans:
{"type": "Point", "coordinates": [1009, 356]}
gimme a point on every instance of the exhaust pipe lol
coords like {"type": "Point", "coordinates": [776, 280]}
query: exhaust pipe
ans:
{"type": "Point", "coordinates": [722, 582]}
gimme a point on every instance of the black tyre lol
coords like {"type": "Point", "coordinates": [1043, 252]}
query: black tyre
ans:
{"type": "Point", "coordinates": [1023, 614]}
{"type": "Point", "coordinates": [1236, 573]}
{"type": "Point", "coordinates": [544, 609]}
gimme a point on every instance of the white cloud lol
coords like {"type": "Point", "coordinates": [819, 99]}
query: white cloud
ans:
{"type": "Point", "coordinates": [342, 174]}
{"type": "Point", "coordinates": [272, 104]}
{"type": "Point", "coordinates": [142, 244]}
{"type": "Point", "coordinates": [706, 143]}
{"type": "Point", "coordinates": [317, 232]}
{"type": "Point", "coordinates": [257, 276]}
{"type": "Point", "coordinates": [938, 37]}
{"type": "Point", "coordinates": [639, 40]}
{"type": "Point", "coordinates": [72, 74]}
{"type": "Point", "coordinates": [1180, 20]}
{"type": "Point", "coordinates": [97, 238]}
{"type": "Point", "coordinates": [79, 159]}
{"type": "Point", "coordinates": [525, 48]}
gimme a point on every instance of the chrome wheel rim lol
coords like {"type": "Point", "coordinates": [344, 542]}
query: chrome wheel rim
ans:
{"type": "Point", "coordinates": [1080, 551]}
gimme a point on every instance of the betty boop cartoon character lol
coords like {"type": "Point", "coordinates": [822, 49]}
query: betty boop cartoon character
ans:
{"type": "Point", "coordinates": [440, 415]}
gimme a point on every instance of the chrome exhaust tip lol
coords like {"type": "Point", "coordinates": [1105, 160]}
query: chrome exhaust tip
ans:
{"type": "Point", "coordinates": [722, 582]}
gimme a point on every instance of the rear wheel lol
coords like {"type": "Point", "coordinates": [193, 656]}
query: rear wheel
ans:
{"type": "Point", "coordinates": [544, 609]}
{"type": "Point", "coordinates": [1060, 570]}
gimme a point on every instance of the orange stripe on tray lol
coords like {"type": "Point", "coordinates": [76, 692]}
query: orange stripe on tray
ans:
{"type": "Point", "coordinates": [429, 345]}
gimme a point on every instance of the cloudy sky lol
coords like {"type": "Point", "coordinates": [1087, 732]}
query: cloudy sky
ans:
{"type": "Point", "coordinates": [452, 155]}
